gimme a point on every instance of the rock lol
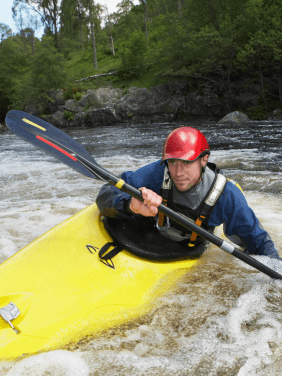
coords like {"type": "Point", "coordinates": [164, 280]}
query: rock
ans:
{"type": "Point", "coordinates": [202, 104]}
{"type": "Point", "coordinates": [57, 100]}
{"type": "Point", "coordinates": [89, 100]}
{"type": "Point", "coordinates": [276, 115]}
{"type": "Point", "coordinates": [32, 109]}
{"type": "Point", "coordinates": [81, 120]}
{"type": "Point", "coordinates": [108, 94]}
{"type": "Point", "coordinates": [58, 119]}
{"type": "Point", "coordinates": [102, 116]}
{"type": "Point", "coordinates": [169, 102]}
{"type": "Point", "coordinates": [246, 100]}
{"type": "Point", "coordinates": [178, 101]}
{"type": "Point", "coordinates": [235, 117]}
{"type": "Point", "coordinates": [157, 104]}
{"type": "Point", "coordinates": [58, 96]}
{"type": "Point", "coordinates": [52, 107]}
{"type": "Point", "coordinates": [72, 106]}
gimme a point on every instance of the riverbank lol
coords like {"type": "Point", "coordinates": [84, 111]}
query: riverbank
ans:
{"type": "Point", "coordinates": [177, 102]}
{"type": "Point", "coordinates": [110, 106]}
{"type": "Point", "coordinates": [173, 102]}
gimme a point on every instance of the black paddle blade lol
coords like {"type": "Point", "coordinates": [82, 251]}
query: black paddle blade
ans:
{"type": "Point", "coordinates": [53, 141]}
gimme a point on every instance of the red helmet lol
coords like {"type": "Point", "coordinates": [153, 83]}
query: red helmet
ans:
{"type": "Point", "coordinates": [185, 143]}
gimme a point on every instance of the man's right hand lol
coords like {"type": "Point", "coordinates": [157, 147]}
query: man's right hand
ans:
{"type": "Point", "coordinates": [149, 207]}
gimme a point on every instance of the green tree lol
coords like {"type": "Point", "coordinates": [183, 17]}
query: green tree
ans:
{"type": "Point", "coordinates": [91, 8]}
{"type": "Point", "coordinates": [124, 7]}
{"type": "Point", "coordinates": [5, 32]}
{"type": "Point", "coordinates": [109, 29]}
{"type": "Point", "coordinates": [45, 72]}
{"type": "Point", "coordinates": [126, 23]}
{"type": "Point", "coordinates": [144, 4]}
{"type": "Point", "coordinates": [14, 59]}
{"type": "Point", "coordinates": [73, 22]}
{"type": "Point", "coordinates": [49, 12]}
{"type": "Point", "coordinates": [132, 55]}
{"type": "Point", "coordinates": [263, 53]}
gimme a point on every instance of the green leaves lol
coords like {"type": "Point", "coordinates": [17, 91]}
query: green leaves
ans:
{"type": "Point", "coordinates": [5, 32]}
{"type": "Point", "coordinates": [43, 72]}
{"type": "Point", "coordinates": [132, 53]}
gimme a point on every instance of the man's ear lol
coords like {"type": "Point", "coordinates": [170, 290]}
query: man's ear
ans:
{"type": "Point", "coordinates": [204, 160]}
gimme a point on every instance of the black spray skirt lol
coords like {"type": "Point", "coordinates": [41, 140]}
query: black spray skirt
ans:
{"type": "Point", "coordinates": [141, 237]}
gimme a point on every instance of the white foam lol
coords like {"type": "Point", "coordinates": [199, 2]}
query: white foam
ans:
{"type": "Point", "coordinates": [21, 224]}
{"type": "Point", "coordinates": [251, 308]}
{"type": "Point", "coordinates": [7, 247]}
{"type": "Point", "coordinates": [55, 363]}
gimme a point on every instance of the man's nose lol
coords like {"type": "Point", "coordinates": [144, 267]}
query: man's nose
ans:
{"type": "Point", "coordinates": [179, 169]}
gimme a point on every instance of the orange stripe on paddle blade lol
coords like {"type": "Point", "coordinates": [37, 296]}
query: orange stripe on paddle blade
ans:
{"type": "Point", "coordinates": [56, 147]}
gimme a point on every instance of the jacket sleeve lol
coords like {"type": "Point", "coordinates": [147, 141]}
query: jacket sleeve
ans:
{"type": "Point", "coordinates": [239, 220]}
{"type": "Point", "coordinates": [112, 202]}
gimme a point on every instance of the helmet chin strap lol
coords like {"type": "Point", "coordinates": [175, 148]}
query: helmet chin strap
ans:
{"type": "Point", "coordinates": [200, 178]}
{"type": "Point", "coordinates": [202, 173]}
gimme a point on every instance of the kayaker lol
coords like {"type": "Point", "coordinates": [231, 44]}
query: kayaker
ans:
{"type": "Point", "coordinates": [186, 182]}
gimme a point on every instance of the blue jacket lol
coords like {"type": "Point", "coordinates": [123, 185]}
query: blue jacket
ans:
{"type": "Point", "coordinates": [231, 209]}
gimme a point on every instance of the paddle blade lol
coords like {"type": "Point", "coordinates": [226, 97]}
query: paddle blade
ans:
{"type": "Point", "coordinates": [52, 140]}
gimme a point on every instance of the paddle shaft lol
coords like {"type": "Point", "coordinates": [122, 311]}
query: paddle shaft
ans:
{"type": "Point", "coordinates": [222, 244]}
{"type": "Point", "coordinates": [63, 147]}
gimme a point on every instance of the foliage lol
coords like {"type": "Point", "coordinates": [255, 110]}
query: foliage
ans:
{"type": "Point", "coordinates": [73, 93]}
{"type": "Point", "coordinates": [77, 96]}
{"type": "Point", "coordinates": [5, 32]}
{"type": "Point", "coordinates": [256, 113]}
{"type": "Point", "coordinates": [44, 72]}
{"type": "Point", "coordinates": [213, 41]}
{"type": "Point", "coordinates": [132, 55]}
{"type": "Point", "coordinates": [68, 115]}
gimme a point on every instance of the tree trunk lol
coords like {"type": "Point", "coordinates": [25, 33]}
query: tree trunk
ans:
{"type": "Point", "coordinates": [179, 6]}
{"type": "Point", "coordinates": [33, 43]}
{"type": "Point", "coordinates": [93, 35]}
{"type": "Point", "coordinates": [111, 39]}
{"type": "Point", "coordinates": [97, 75]}
{"type": "Point", "coordinates": [262, 84]}
{"type": "Point", "coordinates": [81, 34]}
{"type": "Point", "coordinates": [145, 20]}
{"type": "Point", "coordinates": [80, 23]}
{"type": "Point", "coordinates": [55, 25]}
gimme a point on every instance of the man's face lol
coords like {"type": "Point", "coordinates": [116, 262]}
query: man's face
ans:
{"type": "Point", "coordinates": [186, 174]}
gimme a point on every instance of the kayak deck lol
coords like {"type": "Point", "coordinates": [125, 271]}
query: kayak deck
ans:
{"type": "Point", "coordinates": [64, 292]}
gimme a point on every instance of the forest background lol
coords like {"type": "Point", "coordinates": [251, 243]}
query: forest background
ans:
{"type": "Point", "coordinates": [220, 42]}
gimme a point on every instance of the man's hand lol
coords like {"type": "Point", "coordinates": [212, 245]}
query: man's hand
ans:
{"type": "Point", "coordinates": [149, 207]}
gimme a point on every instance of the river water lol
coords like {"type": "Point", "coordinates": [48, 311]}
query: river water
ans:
{"type": "Point", "coordinates": [222, 318]}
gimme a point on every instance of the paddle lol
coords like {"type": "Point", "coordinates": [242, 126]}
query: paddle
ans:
{"type": "Point", "coordinates": [63, 147]}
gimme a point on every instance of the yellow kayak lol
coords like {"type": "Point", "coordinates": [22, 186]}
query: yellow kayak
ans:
{"type": "Point", "coordinates": [57, 290]}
